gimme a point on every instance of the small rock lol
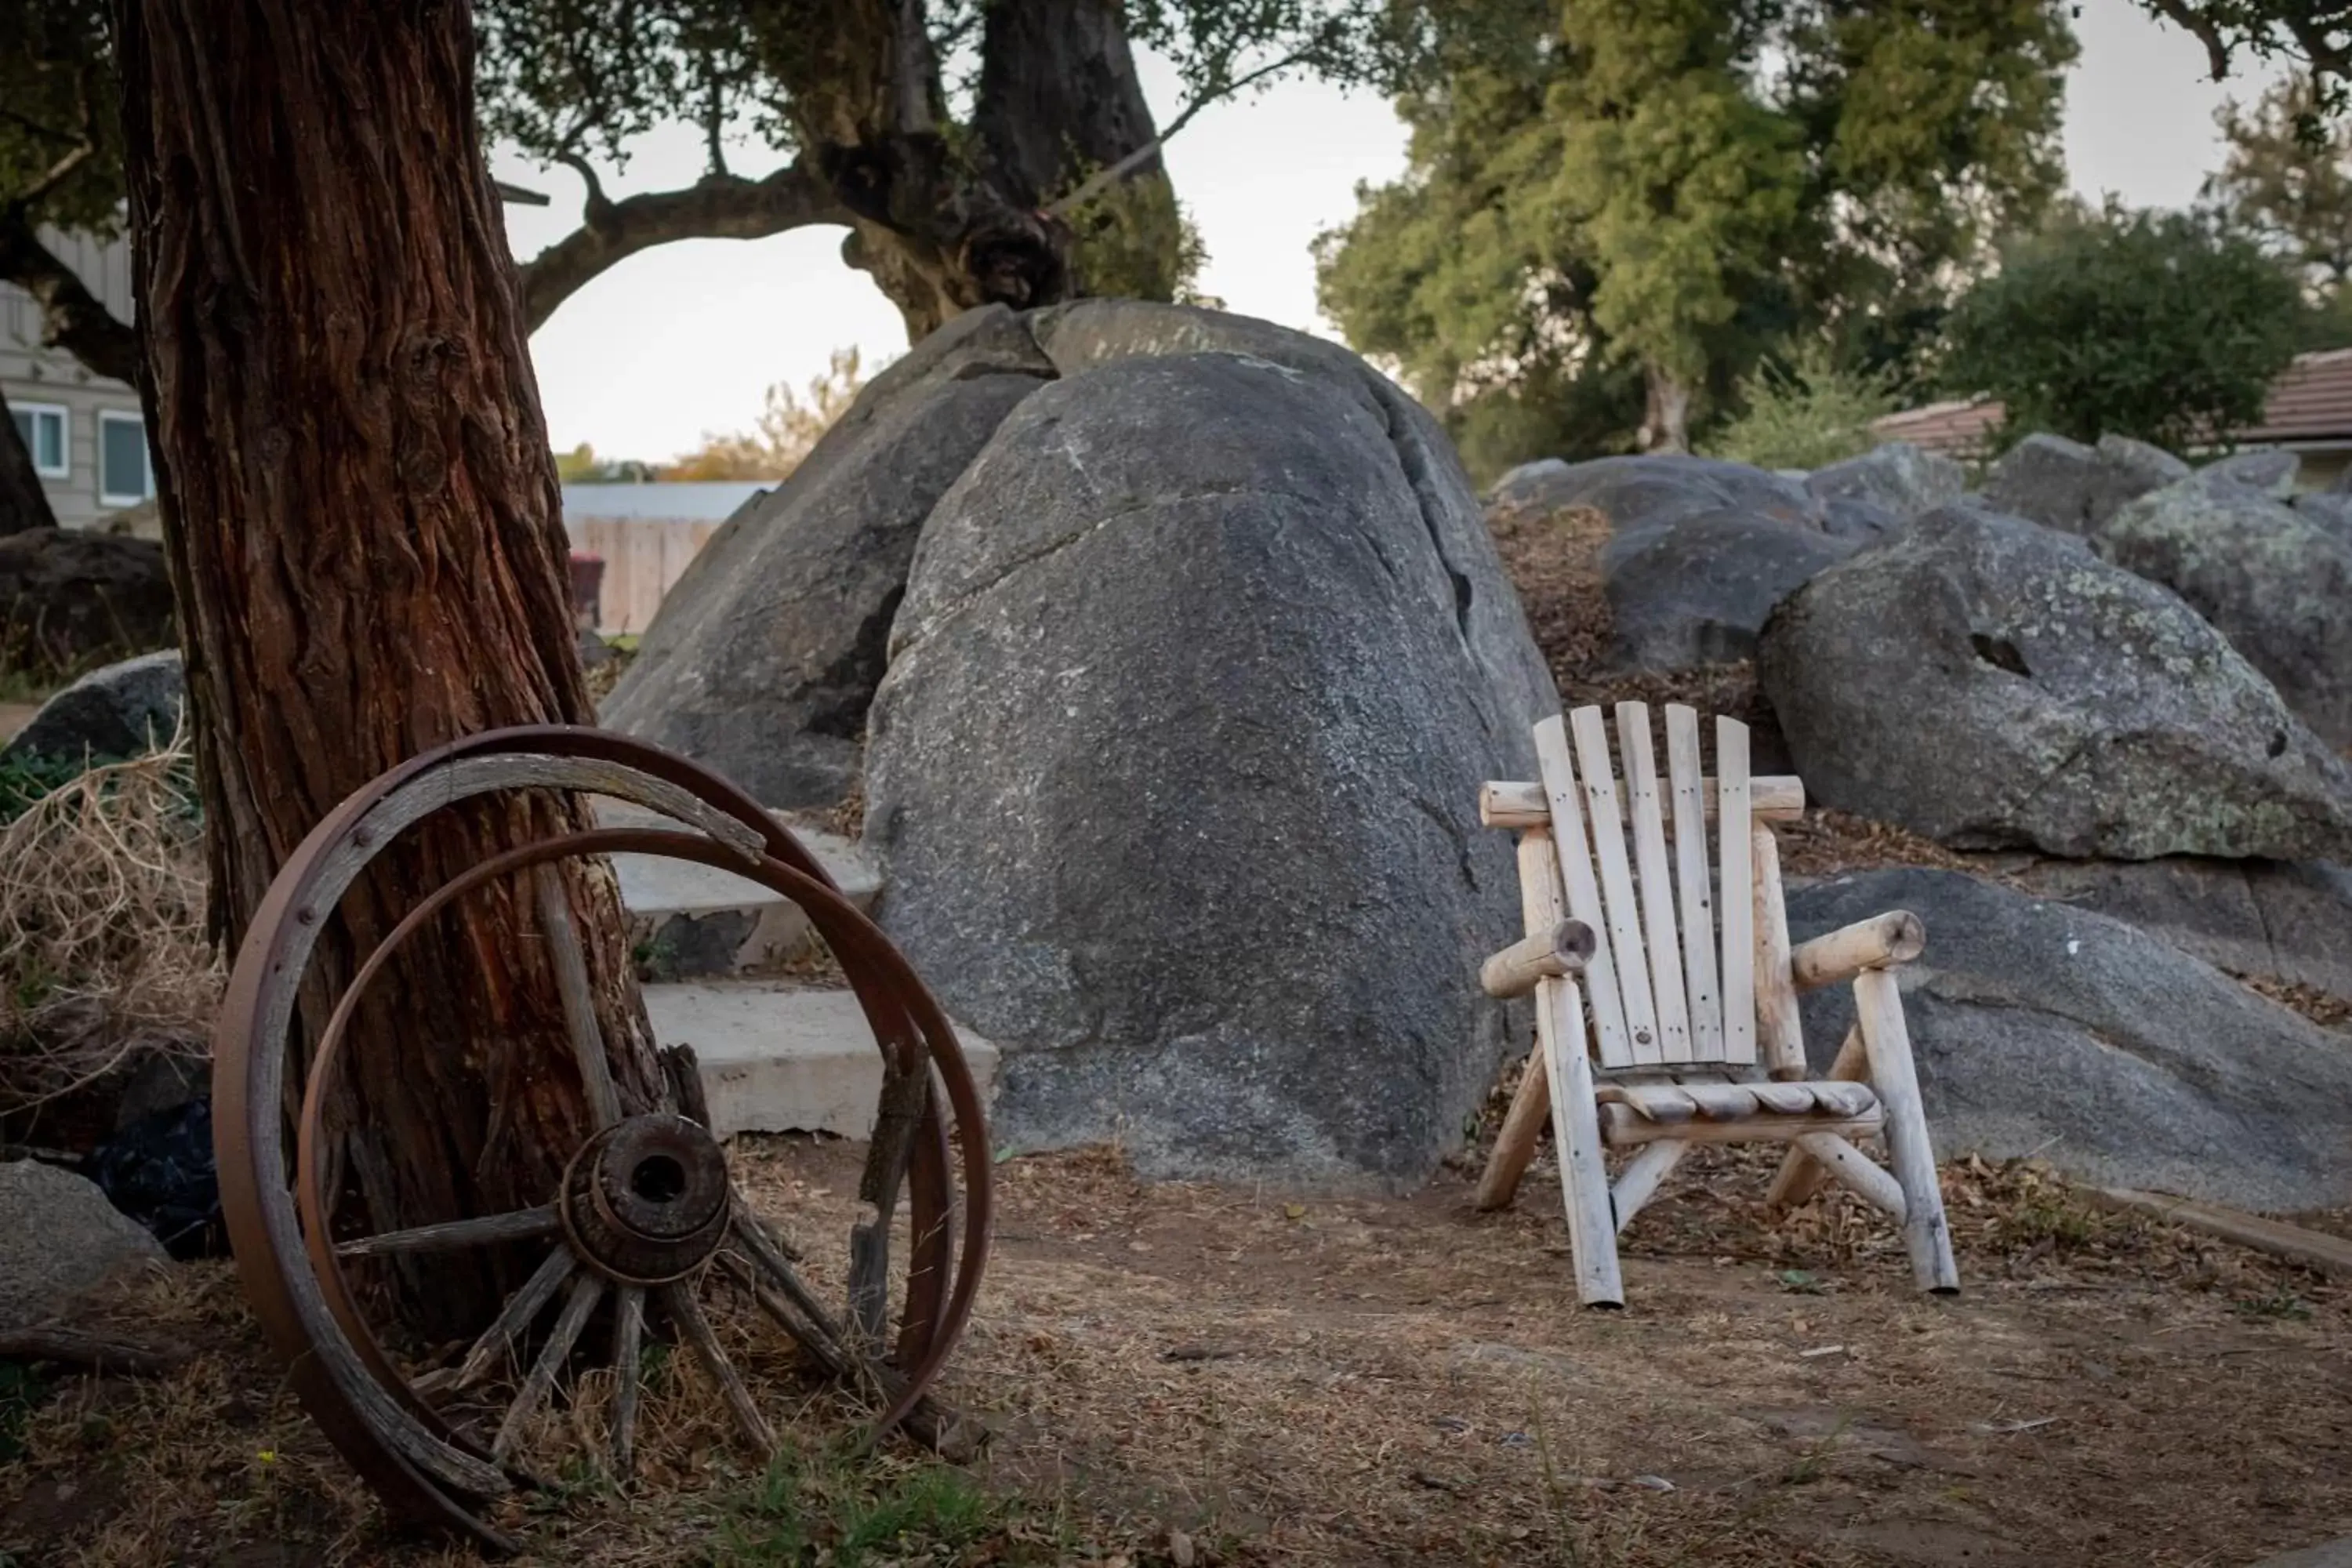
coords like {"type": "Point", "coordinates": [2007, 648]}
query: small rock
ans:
{"type": "Point", "coordinates": [118, 710]}
{"type": "Point", "coordinates": [2270, 472]}
{"type": "Point", "coordinates": [58, 1238]}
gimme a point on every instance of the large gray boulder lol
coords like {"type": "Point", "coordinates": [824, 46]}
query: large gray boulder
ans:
{"type": "Point", "coordinates": [1173, 774]}
{"type": "Point", "coordinates": [765, 654]}
{"type": "Point", "coordinates": [2063, 484]}
{"type": "Point", "coordinates": [2277, 582]}
{"type": "Point", "coordinates": [1898, 478]}
{"type": "Point", "coordinates": [118, 710]}
{"type": "Point", "coordinates": [1656, 491]}
{"type": "Point", "coordinates": [2290, 922]}
{"type": "Point", "coordinates": [58, 1238]}
{"type": "Point", "coordinates": [1993, 684]}
{"type": "Point", "coordinates": [1698, 590]}
{"type": "Point", "coordinates": [2329, 509]}
{"type": "Point", "coordinates": [2042, 1029]}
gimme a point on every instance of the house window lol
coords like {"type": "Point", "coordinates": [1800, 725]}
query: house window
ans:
{"type": "Point", "coordinates": [122, 476]}
{"type": "Point", "coordinates": [42, 428]}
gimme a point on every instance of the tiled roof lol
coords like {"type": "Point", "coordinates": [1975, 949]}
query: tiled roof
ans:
{"type": "Point", "coordinates": [2311, 402]}
{"type": "Point", "coordinates": [2310, 405]}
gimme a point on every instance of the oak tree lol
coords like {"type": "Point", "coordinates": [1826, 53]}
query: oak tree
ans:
{"type": "Point", "coordinates": [1674, 188]}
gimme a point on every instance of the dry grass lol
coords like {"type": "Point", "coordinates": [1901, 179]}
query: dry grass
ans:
{"type": "Point", "coordinates": [1269, 1377]}
{"type": "Point", "coordinates": [103, 954]}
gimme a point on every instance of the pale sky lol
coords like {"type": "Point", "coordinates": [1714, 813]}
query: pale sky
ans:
{"type": "Point", "coordinates": [685, 338]}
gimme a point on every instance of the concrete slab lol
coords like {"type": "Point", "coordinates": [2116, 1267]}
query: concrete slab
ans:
{"type": "Point", "coordinates": [777, 1058]}
{"type": "Point", "coordinates": [2326, 1554]}
{"type": "Point", "coordinates": [691, 922]}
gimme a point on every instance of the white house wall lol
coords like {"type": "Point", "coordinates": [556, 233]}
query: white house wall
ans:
{"type": "Point", "coordinates": [31, 374]}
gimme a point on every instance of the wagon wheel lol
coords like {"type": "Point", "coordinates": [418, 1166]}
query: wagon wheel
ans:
{"type": "Point", "coordinates": [647, 1213]}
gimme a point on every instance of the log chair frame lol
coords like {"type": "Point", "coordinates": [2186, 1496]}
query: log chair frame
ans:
{"type": "Point", "coordinates": [1666, 1054]}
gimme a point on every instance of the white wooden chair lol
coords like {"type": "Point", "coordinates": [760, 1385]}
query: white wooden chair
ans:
{"type": "Point", "coordinates": [1675, 1025]}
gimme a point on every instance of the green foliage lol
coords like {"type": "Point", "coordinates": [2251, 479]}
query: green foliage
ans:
{"type": "Point", "coordinates": [60, 133]}
{"type": "Point", "coordinates": [1681, 186]}
{"type": "Point", "coordinates": [818, 1506]}
{"type": "Point", "coordinates": [1806, 415]}
{"type": "Point", "coordinates": [1132, 241]}
{"type": "Point", "coordinates": [2164, 326]}
{"type": "Point", "coordinates": [2286, 179]}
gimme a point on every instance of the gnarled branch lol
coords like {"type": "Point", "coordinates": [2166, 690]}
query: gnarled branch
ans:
{"type": "Point", "coordinates": [72, 318]}
{"type": "Point", "coordinates": [722, 206]}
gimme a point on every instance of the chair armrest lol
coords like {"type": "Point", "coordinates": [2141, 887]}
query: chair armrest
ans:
{"type": "Point", "coordinates": [1880, 942]}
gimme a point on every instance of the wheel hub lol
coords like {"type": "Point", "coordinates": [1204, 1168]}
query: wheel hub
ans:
{"type": "Point", "coordinates": [645, 1200]}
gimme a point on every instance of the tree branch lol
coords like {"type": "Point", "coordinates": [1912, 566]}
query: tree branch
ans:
{"type": "Point", "coordinates": [72, 318]}
{"type": "Point", "coordinates": [725, 207]}
{"type": "Point", "coordinates": [1103, 179]}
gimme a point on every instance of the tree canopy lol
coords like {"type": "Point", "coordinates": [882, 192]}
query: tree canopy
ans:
{"type": "Point", "coordinates": [1678, 187]}
{"type": "Point", "coordinates": [2165, 326]}
{"type": "Point", "coordinates": [977, 150]}
{"type": "Point", "coordinates": [2315, 36]}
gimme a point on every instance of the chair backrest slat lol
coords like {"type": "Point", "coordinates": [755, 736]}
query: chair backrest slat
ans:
{"type": "Point", "coordinates": [1687, 796]}
{"type": "Point", "coordinates": [1734, 833]}
{"type": "Point", "coordinates": [1605, 819]}
{"type": "Point", "coordinates": [1575, 857]}
{"type": "Point", "coordinates": [1655, 882]}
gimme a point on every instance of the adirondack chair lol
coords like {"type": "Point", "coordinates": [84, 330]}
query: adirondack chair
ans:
{"type": "Point", "coordinates": [1621, 953]}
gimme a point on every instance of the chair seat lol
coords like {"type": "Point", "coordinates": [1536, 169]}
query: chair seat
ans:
{"type": "Point", "coordinates": [1671, 1104]}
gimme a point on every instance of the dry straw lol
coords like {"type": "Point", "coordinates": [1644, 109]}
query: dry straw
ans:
{"type": "Point", "coordinates": [103, 953]}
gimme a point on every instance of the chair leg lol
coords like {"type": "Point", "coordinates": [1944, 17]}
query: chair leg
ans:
{"type": "Point", "coordinates": [1584, 1179]}
{"type": "Point", "coordinates": [1878, 1009]}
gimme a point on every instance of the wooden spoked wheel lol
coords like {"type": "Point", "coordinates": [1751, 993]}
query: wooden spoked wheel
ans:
{"type": "Point", "coordinates": [648, 1216]}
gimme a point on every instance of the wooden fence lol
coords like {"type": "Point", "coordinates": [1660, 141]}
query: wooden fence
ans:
{"type": "Point", "coordinates": [643, 557]}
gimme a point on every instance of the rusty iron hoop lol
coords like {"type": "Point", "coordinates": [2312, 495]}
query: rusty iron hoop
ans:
{"type": "Point", "coordinates": [427, 1471]}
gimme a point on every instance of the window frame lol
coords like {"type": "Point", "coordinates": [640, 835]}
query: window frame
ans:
{"type": "Point", "coordinates": [63, 471]}
{"type": "Point", "coordinates": [107, 416]}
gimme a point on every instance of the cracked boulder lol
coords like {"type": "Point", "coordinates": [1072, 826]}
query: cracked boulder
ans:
{"type": "Point", "coordinates": [1174, 771]}
{"type": "Point", "coordinates": [765, 654]}
{"type": "Point", "coordinates": [1638, 494]}
{"type": "Point", "coordinates": [1994, 684]}
{"type": "Point", "coordinates": [2045, 1029]}
{"type": "Point", "coordinates": [2063, 484]}
{"type": "Point", "coordinates": [2275, 580]}
{"type": "Point", "coordinates": [1697, 592]}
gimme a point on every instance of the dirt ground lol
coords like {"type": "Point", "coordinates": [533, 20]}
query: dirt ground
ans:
{"type": "Point", "coordinates": [15, 716]}
{"type": "Point", "coordinates": [1187, 1373]}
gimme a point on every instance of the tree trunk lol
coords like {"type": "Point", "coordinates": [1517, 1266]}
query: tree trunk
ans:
{"type": "Point", "coordinates": [945, 222]}
{"type": "Point", "coordinates": [361, 512]}
{"type": "Point", "coordinates": [24, 504]}
{"type": "Point", "coordinates": [1665, 416]}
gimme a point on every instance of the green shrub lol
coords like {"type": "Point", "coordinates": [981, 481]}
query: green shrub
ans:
{"type": "Point", "coordinates": [1807, 414]}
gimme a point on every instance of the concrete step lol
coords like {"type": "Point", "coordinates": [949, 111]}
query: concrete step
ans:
{"type": "Point", "coordinates": [780, 1057]}
{"type": "Point", "coordinates": [689, 921]}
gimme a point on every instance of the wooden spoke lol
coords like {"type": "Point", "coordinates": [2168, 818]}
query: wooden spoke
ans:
{"type": "Point", "coordinates": [678, 1302]}
{"type": "Point", "coordinates": [586, 1291]}
{"type": "Point", "coordinates": [515, 1317]}
{"type": "Point", "coordinates": [906, 1095]}
{"type": "Point", "coordinates": [828, 1354]}
{"type": "Point", "coordinates": [523, 1225]}
{"type": "Point", "coordinates": [579, 997]}
{"type": "Point", "coordinates": [769, 1254]}
{"type": "Point", "coordinates": [628, 1339]}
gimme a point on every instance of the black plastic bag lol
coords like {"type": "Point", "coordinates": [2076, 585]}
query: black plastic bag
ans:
{"type": "Point", "coordinates": [159, 1171]}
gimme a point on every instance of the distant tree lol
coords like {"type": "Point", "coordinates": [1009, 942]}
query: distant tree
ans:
{"type": "Point", "coordinates": [1677, 186]}
{"type": "Point", "coordinates": [582, 466]}
{"type": "Point", "coordinates": [1807, 413]}
{"type": "Point", "coordinates": [784, 433]}
{"type": "Point", "coordinates": [2287, 185]}
{"type": "Point", "coordinates": [2165, 326]}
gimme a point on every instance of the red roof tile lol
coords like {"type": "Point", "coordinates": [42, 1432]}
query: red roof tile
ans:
{"type": "Point", "coordinates": [2310, 405]}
